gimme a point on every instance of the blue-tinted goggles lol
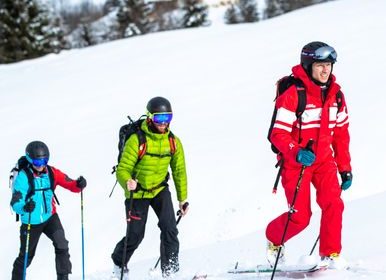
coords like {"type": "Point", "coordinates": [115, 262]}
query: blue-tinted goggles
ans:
{"type": "Point", "coordinates": [161, 118]}
{"type": "Point", "coordinates": [38, 162]}
{"type": "Point", "coordinates": [323, 53]}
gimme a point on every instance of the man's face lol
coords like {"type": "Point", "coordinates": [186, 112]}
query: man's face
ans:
{"type": "Point", "coordinates": [39, 169]}
{"type": "Point", "coordinates": [321, 71]}
{"type": "Point", "coordinates": [161, 127]}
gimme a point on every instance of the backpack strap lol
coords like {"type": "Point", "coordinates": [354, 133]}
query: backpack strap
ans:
{"type": "Point", "coordinates": [172, 142]}
{"type": "Point", "coordinates": [302, 101]}
{"type": "Point", "coordinates": [52, 182]}
{"type": "Point", "coordinates": [164, 183]}
{"type": "Point", "coordinates": [142, 144]}
{"type": "Point", "coordinates": [31, 183]}
{"type": "Point", "coordinates": [339, 99]}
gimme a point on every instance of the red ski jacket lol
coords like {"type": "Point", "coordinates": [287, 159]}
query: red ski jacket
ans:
{"type": "Point", "coordinates": [321, 121]}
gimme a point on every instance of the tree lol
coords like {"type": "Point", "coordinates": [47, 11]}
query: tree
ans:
{"type": "Point", "coordinates": [242, 11]}
{"type": "Point", "coordinates": [233, 14]}
{"type": "Point", "coordinates": [134, 17]}
{"type": "Point", "coordinates": [27, 31]}
{"type": "Point", "coordinates": [279, 7]}
{"type": "Point", "coordinates": [248, 10]}
{"type": "Point", "coordinates": [196, 14]}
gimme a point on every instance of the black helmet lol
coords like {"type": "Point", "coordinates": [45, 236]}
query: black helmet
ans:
{"type": "Point", "coordinates": [316, 52]}
{"type": "Point", "coordinates": [37, 150]}
{"type": "Point", "coordinates": [158, 105]}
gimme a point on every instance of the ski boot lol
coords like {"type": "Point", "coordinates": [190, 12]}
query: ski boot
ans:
{"type": "Point", "coordinates": [272, 251]}
{"type": "Point", "coordinates": [117, 273]}
{"type": "Point", "coordinates": [334, 261]}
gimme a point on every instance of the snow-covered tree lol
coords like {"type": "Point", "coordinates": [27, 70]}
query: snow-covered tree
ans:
{"type": "Point", "coordinates": [279, 7]}
{"type": "Point", "coordinates": [249, 10]}
{"type": "Point", "coordinates": [27, 31]}
{"type": "Point", "coordinates": [134, 17]}
{"type": "Point", "coordinates": [233, 14]}
{"type": "Point", "coordinates": [196, 14]}
{"type": "Point", "coordinates": [242, 11]}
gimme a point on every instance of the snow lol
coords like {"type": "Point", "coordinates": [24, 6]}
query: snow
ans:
{"type": "Point", "coordinates": [220, 80]}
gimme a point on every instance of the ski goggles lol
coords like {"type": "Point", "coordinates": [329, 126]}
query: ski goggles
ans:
{"type": "Point", "coordinates": [323, 53]}
{"type": "Point", "coordinates": [38, 162]}
{"type": "Point", "coordinates": [161, 118]}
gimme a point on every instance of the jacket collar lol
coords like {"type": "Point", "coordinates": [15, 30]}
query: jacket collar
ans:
{"type": "Point", "coordinates": [312, 88]}
{"type": "Point", "coordinates": [153, 135]}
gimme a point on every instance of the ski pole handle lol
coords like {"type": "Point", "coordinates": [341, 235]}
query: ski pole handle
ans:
{"type": "Point", "coordinates": [186, 204]}
{"type": "Point", "coordinates": [179, 213]}
{"type": "Point", "coordinates": [309, 145]}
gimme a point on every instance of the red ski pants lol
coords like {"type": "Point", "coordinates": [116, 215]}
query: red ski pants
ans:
{"type": "Point", "coordinates": [325, 180]}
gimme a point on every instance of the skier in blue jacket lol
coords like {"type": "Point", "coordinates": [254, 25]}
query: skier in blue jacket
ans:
{"type": "Point", "coordinates": [36, 206]}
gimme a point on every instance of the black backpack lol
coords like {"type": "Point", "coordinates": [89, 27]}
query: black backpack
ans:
{"type": "Point", "coordinates": [281, 86]}
{"type": "Point", "coordinates": [23, 165]}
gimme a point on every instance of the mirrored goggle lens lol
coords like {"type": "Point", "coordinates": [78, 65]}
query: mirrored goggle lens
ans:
{"type": "Point", "coordinates": [325, 53]}
{"type": "Point", "coordinates": [39, 162]}
{"type": "Point", "coordinates": [162, 117]}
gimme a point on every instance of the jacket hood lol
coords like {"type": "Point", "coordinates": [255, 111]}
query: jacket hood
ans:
{"type": "Point", "coordinates": [299, 73]}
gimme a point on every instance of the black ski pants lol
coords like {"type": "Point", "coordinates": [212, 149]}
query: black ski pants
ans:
{"type": "Point", "coordinates": [163, 207]}
{"type": "Point", "coordinates": [53, 229]}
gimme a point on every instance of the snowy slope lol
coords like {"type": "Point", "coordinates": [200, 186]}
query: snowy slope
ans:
{"type": "Point", "coordinates": [220, 81]}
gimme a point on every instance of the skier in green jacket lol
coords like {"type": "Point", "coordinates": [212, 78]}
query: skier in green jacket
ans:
{"type": "Point", "coordinates": [148, 178]}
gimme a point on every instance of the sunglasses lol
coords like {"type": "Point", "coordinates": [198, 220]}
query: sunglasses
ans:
{"type": "Point", "coordinates": [38, 162]}
{"type": "Point", "coordinates": [322, 53]}
{"type": "Point", "coordinates": [161, 118]}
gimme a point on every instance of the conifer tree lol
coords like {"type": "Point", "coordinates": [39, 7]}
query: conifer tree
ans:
{"type": "Point", "coordinates": [248, 10]}
{"type": "Point", "coordinates": [196, 14]}
{"type": "Point", "coordinates": [233, 14]}
{"type": "Point", "coordinates": [26, 31]}
{"type": "Point", "coordinates": [242, 11]}
{"type": "Point", "coordinates": [134, 17]}
{"type": "Point", "coordinates": [279, 7]}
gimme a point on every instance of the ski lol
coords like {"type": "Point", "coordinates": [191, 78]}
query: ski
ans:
{"type": "Point", "coordinates": [287, 270]}
{"type": "Point", "coordinates": [200, 277]}
{"type": "Point", "coordinates": [280, 269]}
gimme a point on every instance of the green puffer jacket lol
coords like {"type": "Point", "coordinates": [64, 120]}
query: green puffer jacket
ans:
{"type": "Point", "coordinates": [152, 170]}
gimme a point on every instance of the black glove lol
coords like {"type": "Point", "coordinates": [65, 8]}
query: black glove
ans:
{"type": "Point", "coordinates": [346, 179]}
{"type": "Point", "coordinates": [29, 206]}
{"type": "Point", "coordinates": [81, 182]}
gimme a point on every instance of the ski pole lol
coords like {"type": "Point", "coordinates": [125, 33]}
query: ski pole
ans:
{"type": "Point", "coordinates": [81, 221]}
{"type": "Point", "coordinates": [291, 209]}
{"type": "Point", "coordinates": [313, 247]}
{"type": "Point", "coordinates": [179, 214]}
{"type": "Point", "coordinates": [112, 190]}
{"type": "Point", "coordinates": [128, 220]}
{"type": "Point", "coordinates": [27, 246]}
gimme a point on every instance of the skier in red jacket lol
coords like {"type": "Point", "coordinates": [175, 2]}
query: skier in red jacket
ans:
{"type": "Point", "coordinates": [325, 120]}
